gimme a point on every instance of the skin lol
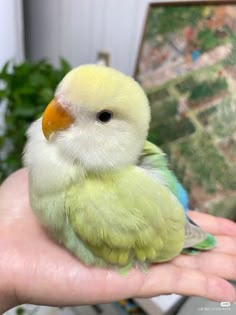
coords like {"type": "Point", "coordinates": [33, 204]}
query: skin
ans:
{"type": "Point", "coordinates": [34, 269]}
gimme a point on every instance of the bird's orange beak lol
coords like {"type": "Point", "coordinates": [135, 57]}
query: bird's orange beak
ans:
{"type": "Point", "coordinates": [55, 118]}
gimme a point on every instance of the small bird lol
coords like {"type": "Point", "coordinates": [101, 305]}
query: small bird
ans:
{"type": "Point", "coordinates": [96, 184]}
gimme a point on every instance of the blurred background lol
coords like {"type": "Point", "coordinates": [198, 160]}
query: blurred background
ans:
{"type": "Point", "coordinates": [40, 42]}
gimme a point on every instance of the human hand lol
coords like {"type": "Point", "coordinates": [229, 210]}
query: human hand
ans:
{"type": "Point", "coordinates": [34, 269]}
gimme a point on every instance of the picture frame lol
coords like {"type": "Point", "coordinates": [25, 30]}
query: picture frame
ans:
{"type": "Point", "coordinates": [187, 66]}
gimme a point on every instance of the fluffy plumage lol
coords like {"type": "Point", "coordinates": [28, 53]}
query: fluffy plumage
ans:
{"type": "Point", "coordinates": [99, 187]}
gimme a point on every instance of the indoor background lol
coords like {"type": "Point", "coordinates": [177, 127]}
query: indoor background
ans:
{"type": "Point", "coordinates": [79, 31]}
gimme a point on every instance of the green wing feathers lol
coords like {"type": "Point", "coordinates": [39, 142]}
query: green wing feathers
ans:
{"type": "Point", "coordinates": [155, 161]}
{"type": "Point", "coordinates": [153, 156]}
{"type": "Point", "coordinates": [126, 216]}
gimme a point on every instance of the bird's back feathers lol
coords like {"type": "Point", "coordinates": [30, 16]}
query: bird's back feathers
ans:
{"type": "Point", "coordinates": [154, 161]}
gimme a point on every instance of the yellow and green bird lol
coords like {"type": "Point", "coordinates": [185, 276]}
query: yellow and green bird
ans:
{"type": "Point", "coordinates": [96, 184]}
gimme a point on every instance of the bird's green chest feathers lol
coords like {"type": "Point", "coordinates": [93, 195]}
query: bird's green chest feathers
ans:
{"type": "Point", "coordinates": [125, 216]}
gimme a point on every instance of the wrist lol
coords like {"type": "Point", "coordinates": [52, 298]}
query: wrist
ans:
{"type": "Point", "coordinates": [8, 295]}
{"type": "Point", "coordinates": [7, 300]}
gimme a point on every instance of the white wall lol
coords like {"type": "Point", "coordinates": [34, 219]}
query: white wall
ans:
{"type": "Point", "coordinates": [78, 29]}
{"type": "Point", "coordinates": [11, 31]}
{"type": "Point", "coordinates": [11, 38]}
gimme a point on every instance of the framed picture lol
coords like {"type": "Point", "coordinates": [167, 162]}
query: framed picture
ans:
{"type": "Point", "coordinates": [187, 66]}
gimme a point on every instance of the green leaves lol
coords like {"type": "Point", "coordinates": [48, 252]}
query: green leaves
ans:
{"type": "Point", "coordinates": [169, 19]}
{"type": "Point", "coordinates": [27, 88]}
{"type": "Point", "coordinates": [208, 39]}
{"type": "Point", "coordinates": [207, 89]}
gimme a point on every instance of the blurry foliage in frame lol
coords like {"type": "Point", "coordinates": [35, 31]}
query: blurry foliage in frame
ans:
{"type": "Point", "coordinates": [187, 66]}
{"type": "Point", "coordinates": [26, 89]}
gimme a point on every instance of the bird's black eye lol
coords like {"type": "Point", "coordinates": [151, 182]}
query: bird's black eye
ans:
{"type": "Point", "coordinates": [104, 116]}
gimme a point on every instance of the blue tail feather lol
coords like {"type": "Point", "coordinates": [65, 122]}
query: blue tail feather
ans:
{"type": "Point", "coordinates": [182, 196]}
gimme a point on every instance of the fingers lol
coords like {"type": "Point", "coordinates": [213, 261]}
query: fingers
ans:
{"type": "Point", "coordinates": [79, 285]}
{"type": "Point", "coordinates": [226, 245]}
{"type": "Point", "coordinates": [219, 264]}
{"type": "Point", "coordinates": [16, 178]}
{"type": "Point", "coordinates": [65, 281]}
{"type": "Point", "coordinates": [14, 190]}
{"type": "Point", "coordinates": [212, 224]}
{"type": "Point", "coordinates": [14, 198]}
{"type": "Point", "coordinates": [165, 279]}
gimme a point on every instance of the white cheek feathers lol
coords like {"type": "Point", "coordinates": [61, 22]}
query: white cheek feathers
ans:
{"type": "Point", "coordinates": [98, 147]}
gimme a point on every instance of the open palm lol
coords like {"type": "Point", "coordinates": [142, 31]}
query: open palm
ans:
{"type": "Point", "coordinates": [34, 269]}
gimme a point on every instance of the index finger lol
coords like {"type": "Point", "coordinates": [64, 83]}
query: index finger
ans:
{"type": "Point", "coordinates": [212, 224]}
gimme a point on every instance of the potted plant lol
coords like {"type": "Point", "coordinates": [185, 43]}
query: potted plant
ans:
{"type": "Point", "coordinates": [26, 88]}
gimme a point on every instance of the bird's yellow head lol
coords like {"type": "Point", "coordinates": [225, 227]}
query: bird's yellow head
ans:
{"type": "Point", "coordinates": [98, 117]}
